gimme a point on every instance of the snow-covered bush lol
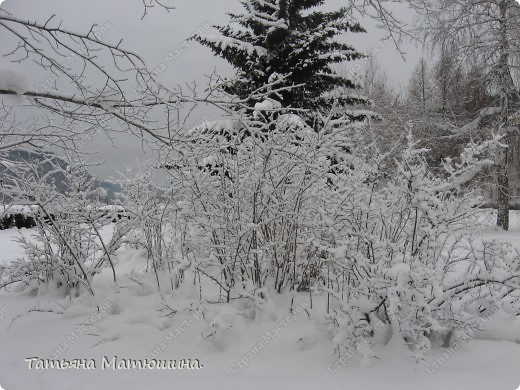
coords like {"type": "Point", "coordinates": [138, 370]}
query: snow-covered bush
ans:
{"type": "Point", "coordinates": [405, 251]}
{"type": "Point", "coordinates": [270, 203]}
{"type": "Point", "coordinates": [153, 225]}
{"type": "Point", "coordinates": [18, 216]}
{"type": "Point", "coordinates": [248, 189]}
{"type": "Point", "coordinates": [69, 246]}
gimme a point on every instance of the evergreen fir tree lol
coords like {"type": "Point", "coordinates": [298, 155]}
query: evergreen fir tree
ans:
{"type": "Point", "coordinates": [286, 40]}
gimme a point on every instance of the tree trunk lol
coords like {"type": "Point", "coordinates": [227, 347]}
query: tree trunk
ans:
{"type": "Point", "coordinates": [506, 91]}
{"type": "Point", "coordinates": [503, 194]}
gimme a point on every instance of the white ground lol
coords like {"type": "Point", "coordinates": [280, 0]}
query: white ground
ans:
{"type": "Point", "coordinates": [129, 325]}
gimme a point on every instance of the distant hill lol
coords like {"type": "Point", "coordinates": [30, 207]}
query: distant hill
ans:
{"type": "Point", "coordinates": [46, 162]}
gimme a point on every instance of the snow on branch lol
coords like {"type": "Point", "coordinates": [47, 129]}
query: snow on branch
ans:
{"type": "Point", "coordinates": [227, 42]}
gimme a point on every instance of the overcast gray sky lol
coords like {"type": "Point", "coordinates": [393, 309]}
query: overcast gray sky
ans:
{"type": "Point", "coordinates": [157, 35]}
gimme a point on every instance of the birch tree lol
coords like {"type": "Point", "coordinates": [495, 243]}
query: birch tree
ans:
{"type": "Point", "coordinates": [487, 32]}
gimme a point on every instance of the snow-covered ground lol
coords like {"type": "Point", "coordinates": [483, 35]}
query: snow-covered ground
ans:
{"type": "Point", "coordinates": [234, 351]}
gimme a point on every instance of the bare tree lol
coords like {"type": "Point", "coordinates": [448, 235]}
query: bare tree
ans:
{"type": "Point", "coordinates": [79, 58]}
{"type": "Point", "coordinates": [487, 32]}
{"type": "Point", "coordinates": [91, 84]}
{"type": "Point", "coordinates": [421, 86]}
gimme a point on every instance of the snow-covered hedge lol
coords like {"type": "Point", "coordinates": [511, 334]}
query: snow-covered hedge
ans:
{"type": "Point", "coordinates": [274, 205]}
{"type": "Point", "coordinates": [269, 206]}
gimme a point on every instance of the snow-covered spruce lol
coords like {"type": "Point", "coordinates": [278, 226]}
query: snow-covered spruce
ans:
{"type": "Point", "coordinates": [285, 51]}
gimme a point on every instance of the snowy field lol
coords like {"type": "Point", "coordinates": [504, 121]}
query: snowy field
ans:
{"type": "Point", "coordinates": [252, 353]}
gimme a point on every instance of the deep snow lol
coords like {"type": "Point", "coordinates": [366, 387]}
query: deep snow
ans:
{"type": "Point", "coordinates": [236, 349]}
